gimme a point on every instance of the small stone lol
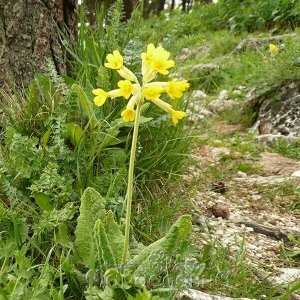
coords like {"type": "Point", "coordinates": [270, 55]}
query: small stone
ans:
{"type": "Point", "coordinates": [242, 174]}
{"type": "Point", "coordinates": [256, 197]}
{"type": "Point", "coordinates": [220, 105]}
{"type": "Point", "coordinates": [205, 112]}
{"type": "Point", "coordinates": [206, 68]}
{"type": "Point", "coordinates": [198, 94]}
{"type": "Point", "coordinates": [287, 275]}
{"type": "Point", "coordinates": [223, 95]}
{"type": "Point", "coordinates": [219, 152]}
{"type": "Point", "coordinates": [220, 210]}
{"type": "Point", "coordinates": [296, 174]}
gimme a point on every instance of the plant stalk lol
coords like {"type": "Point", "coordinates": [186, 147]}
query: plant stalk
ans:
{"type": "Point", "coordinates": [130, 183]}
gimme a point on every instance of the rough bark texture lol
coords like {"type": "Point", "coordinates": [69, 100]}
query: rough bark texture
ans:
{"type": "Point", "coordinates": [29, 36]}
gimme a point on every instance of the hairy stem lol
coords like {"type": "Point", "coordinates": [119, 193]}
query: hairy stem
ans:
{"type": "Point", "coordinates": [130, 183]}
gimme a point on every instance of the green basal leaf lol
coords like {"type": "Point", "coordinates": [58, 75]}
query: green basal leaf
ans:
{"type": "Point", "coordinates": [103, 245]}
{"type": "Point", "coordinates": [166, 246]}
{"type": "Point", "coordinates": [91, 209]}
{"type": "Point", "coordinates": [74, 133]}
{"type": "Point", "coordinates": [109, 240]}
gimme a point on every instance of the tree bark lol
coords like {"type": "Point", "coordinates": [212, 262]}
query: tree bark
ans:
{"type": "Point", "coordinates": [29, 36]}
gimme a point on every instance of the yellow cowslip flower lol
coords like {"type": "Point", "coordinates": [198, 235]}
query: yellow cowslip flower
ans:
{"type": "Point", "coordinates": [115, 60]}
{"type": "Point", "coordinates": [161, 62]}
{"type": "Point", "coordinates": [154, 60]}
{"type": "Point", "coordinates": [101, 96]}
{"type": "Point", "coordinates": [148, 56]}
{"type": "Point", "coordinates": [128, 114]}
{"type": "Point", "coordinates": [273, 49]}
{"type": "Point", "coordinates": [152, 92]}
{"type": "Point", "coordinates": [177, 115]}
{"type": "Point", "coordinates": [126, 87]}
{"type": "Point", "coordinates": [176, 88]}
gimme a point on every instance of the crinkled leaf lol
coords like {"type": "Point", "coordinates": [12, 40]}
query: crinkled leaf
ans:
{"type": "Point", "coordinates": [166, 245]}
{"type": "Point", "coordinates": [104, 249]}
{"type": "Point", "coordinates": [91, 209]}
{"type": "Point", "coordinates": [109, 241]}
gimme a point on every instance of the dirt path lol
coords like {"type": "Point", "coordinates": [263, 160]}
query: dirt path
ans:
{"type": "Point", "coordinates": [237, 208]}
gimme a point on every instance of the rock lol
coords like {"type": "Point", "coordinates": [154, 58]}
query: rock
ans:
{"type": "Point", "coordinates": [188, 52]}
{"type": "Point", "coordinates": [198, 295]}
{"type": "Point", "coordinates": [241, 174]}
{"type": "Point", "coordinates": [198, 94]}
{"type": "Point", "coordinates": [286, 275]}
{"type": "Point", "coordinates": [206, 68]}
{"type": "Point", "coordinates": [218, 152]}
{"type": "Point", "coordinates": [220, 106]}
{"type": "Point", "coordinates": [277, 114]}
{"type": "Point", "coordinates": [296, 174]}
{"type": "Point", "coordinates": [222, 102]}
{"type": "Point", "coordinates": [220, 210]}
{"type": "Point", "coordinates": [262, 180]}
{"type": "Point", "coordinates": [271, 139]}
{"type": "Point", "coordinates": [205, 112]}
{"type": "Point", "coordinates": [223, 95]}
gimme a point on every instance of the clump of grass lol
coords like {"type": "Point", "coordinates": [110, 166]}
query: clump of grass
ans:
{"type": "Point", "coordinates": [287, 149]}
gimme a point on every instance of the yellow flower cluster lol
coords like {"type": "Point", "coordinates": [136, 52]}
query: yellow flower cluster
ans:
{"type": "Point", "coordinates": [155, 60]}
{"type": "Point", "coordinates": [273, 49]}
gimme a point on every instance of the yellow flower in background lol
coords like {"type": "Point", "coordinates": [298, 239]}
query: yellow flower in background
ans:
{"type": "Point", "coordinates": [176, 88]}
{"type": "Point", "coordinates": [273, 49]}
{"type": "Point", "coordinates": [115, 60]}
{"type": "Point", "coordinates": [155, 60]}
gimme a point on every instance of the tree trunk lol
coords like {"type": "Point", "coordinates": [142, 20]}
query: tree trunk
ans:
{"type": "Point", "coordinates": [156, 6]}
{"type": "Point", "coordinates": [29, 36]}
{"type": "Point", "coordinates": [173, 4]}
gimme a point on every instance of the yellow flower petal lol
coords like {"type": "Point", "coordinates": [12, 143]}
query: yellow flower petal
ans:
{"type": "Point", "coordinates": [273, 49]}
{"type": "Point", "coordinates": [152, 92]}
{"type": "Point", "coordinates": [115, 60]}
{"type": "Point", "coordinates": [148, 56]}
{"type": "Point", "coordinates": [126, 87]}
{"type": "Point", "coordinates": [176, 88]}
{"type": "Point", "coordinates": [128, 114]}
{"type": "Point", "coordinates": [155, 60]}
{"type": "Point", "coordinates": [101, 96]}
{"type": "Point", "coordinates": [161, 64]}
{"type": "Point", "coordinates": [177, 115]}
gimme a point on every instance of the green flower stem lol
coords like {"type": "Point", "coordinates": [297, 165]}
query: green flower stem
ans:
{"type": "Point", "coordinates": [130, 182]}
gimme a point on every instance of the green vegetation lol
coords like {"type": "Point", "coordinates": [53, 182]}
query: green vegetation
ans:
{"type": "Point", "coordinates": [64, 162]}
